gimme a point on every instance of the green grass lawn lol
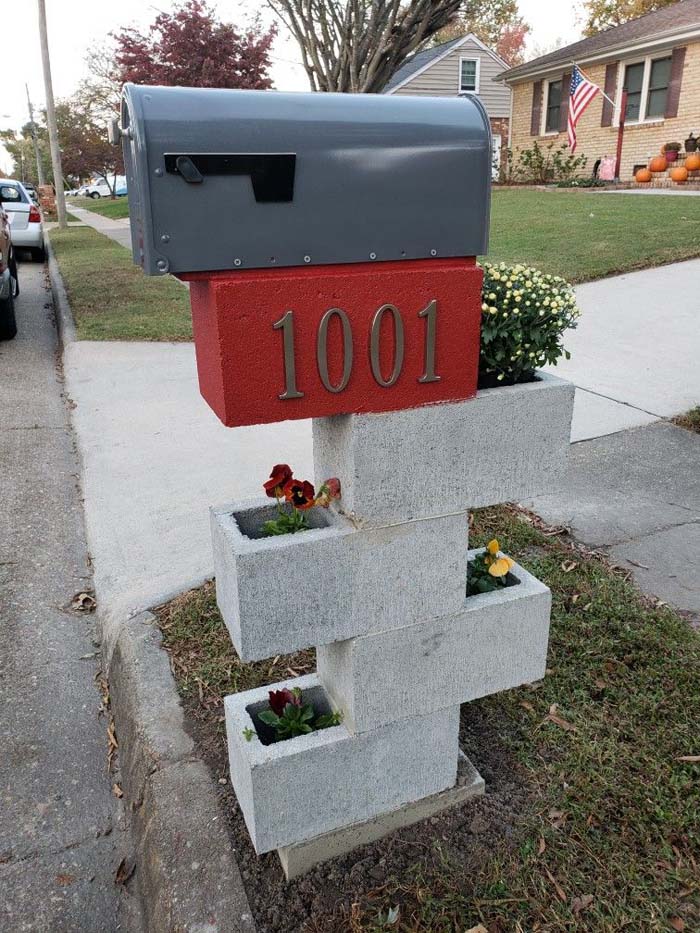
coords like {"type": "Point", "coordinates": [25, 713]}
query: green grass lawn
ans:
{"type": "Point", "coordinates": [583, 236]}
{"type": "Point", "coordinates": [111, 298]}
{"type": "Point", "coordinates": [578, 235]}
{"type": "Point", "coordinates": [605, 835]}
{"type": "Point", "coordinates": [104, 206]}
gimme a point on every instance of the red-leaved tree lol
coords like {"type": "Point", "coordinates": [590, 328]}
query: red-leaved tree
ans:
{"type": "Point", "coordinates": [190, 47]}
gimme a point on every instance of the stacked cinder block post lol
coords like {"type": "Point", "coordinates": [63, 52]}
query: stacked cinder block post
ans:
{"type": "Point", "coordinates": [379, 587]}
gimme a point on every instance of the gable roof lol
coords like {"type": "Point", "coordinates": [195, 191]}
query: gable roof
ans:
{"type": "Point", "coordinates": [421, 61]}
{"type": "Point", "coordinates": [669, 21]}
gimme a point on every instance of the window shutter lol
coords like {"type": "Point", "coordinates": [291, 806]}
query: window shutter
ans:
{"type": "Point", "coordinates": [610, 82]}
{"type": "Point", "coordinates": [564, 105]}
{"type": "Point", "coordinates": [674, 85]}
{"type": "Point", "coordinates": [536, 108]}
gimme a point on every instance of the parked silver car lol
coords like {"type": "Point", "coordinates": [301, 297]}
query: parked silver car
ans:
{"type": "Point", "coordinates": [25, 217]}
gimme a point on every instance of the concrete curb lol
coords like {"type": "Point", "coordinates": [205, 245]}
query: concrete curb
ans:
{"type": "Point", "coordinates": [186, 871]}
{"type": "Point", "coordinates": [64, 315]}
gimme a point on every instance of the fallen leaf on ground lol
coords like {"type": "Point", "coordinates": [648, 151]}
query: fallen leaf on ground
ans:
{"type": "Point", "coordinates": [528, 706]}
{"type": "Point", "coordinates": [83, 602]}
{"type": "Point", "coordinates": [542, 846]}
{"type": "Point", "coordinates": [568, 565]}
{"type": "Point", "coordinates": [581, 903]}
{"type": "Point", "coordinates": [553, 716]}
{"type": "Point", "coordinates": [689, 759]}
{"type": "Point", "coordinates": [557, 887]}
{"type": "Point", "coordinates": [677, 923]}
{"type": "Point", "coordinates": [479, 928]}
{"type": "Point", "coordinates": [557, 818]}
{"type": "Point", "coordinates": [117, 791]}
{"type": "Point", "coordinates": [124, 871]}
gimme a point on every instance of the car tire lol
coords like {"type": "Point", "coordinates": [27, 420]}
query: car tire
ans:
{"type": "Point", "coordinates": [14, 276]}
{"type": "Point", "coordinates": [95, 195]}
{"type": "Point", "coordinates": [8, 323]}
{"type": "Point", "coordinates": [39, 254]}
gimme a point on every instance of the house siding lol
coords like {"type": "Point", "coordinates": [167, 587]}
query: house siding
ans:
{"type": "Point", "coordinates": [641, 141]}
{"type": "Point", "coordinates": [441, 79]}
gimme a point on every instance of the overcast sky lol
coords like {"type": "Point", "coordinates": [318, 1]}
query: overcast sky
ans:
{"type": "Point", "coordinates": [76, 24]}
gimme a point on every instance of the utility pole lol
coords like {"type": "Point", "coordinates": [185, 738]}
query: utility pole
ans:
{"type": "Point", "coordinates": [37, 155]}
{"type": "Point", "coordinates": [51, 119]}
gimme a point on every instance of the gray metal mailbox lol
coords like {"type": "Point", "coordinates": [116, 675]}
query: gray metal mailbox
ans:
{"type": "Point", "coordinates": [222, 179]}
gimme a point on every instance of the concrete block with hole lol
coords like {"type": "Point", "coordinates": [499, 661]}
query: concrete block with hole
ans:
{"type": "Point", "coordinates": [496, 641]}
{"type": "Point", "coordinates": [282, 594]}
{"type": "Point", "coordinates": [504, 445]}
{"type": "Point", "coordinates": [298, 789]}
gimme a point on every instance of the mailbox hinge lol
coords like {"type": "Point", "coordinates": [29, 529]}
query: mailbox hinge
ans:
{"type": "Point", "coordinates": [271, 174]}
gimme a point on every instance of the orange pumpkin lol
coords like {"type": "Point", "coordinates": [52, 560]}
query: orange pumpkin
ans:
{"type": "Point", "coordinates": [643, 175]}
{"type": "Point", "coordinates": [692, 162]}
{"type": "Point", "coordinates": [658, 164]}
{"type": "Point", "coordinates": [679, 174]}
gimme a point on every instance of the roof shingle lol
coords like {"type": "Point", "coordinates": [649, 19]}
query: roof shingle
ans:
{"type": "Point", "coordinates": [678, 16]}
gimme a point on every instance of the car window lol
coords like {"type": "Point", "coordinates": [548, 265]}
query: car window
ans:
{"type": "Point", "coordinates": [10, 194]}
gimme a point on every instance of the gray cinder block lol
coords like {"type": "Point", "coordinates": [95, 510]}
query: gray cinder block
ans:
{"type": "Point", "coordinates": [335, 581]}
{"type": "Point", "coordinates": [297, 789]}
{"type": "Point", "coordinates": [504, 445]}
{"type": "Point", "coordinates": [496, 641]}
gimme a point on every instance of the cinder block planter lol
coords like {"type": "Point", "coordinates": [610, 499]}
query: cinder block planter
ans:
{"type": "Point", "coordinates": [496, 641]}
{"type": "Point", "coordinates": [335, 581]}
{"type": "Point", "coordinates": [504, 445]}
{"type": "Point", "coordinates": [297, 789]}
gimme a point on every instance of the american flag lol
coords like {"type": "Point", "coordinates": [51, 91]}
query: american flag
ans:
{"type": "Point", "coordinates": [581, 93]}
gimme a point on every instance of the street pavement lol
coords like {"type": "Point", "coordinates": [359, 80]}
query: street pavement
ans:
{"type": "Point", "coordinates": [155, 458]}
{"type": "Point", "coordinates": [61, 827]}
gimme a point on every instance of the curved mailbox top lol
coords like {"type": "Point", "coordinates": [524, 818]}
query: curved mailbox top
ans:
{"type": "Point", "coordinates": [224, 179]}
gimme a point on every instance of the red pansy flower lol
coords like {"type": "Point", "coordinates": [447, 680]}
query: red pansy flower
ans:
{"type": "Point", "coordinates": [280, 476]}
{"type": "Point", "coordinates": [300, 493]}
{"type": "Point", "coordinates": [279, 699]}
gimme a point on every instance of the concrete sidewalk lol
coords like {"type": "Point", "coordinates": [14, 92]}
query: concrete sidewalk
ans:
{"type": "Point", "coordinates": [635, 352]}
{"type": "Point", "coordinates": [155, 458]}
{"type": "Point", "coordinates": [117, 228]}
{"type": "Point", "coordinates": [636, 494]}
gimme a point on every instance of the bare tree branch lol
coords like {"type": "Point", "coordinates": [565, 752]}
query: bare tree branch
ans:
{"type": "Point", "coordinates": [357, 45]}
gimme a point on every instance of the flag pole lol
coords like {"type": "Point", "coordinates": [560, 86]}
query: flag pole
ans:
{"type": "Point", "coordinates": [621, 121]}
{"type": "Point", "coordinates": [609, 99]}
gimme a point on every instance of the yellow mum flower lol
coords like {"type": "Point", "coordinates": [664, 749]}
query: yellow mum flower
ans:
{"type": "Point", "coordinates": [501, 566]}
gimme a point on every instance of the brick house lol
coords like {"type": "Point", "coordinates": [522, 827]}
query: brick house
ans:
{"type": "Point", "coordinates": [452, 69]}
{"type": "Point", "coordinates": [656, 58]}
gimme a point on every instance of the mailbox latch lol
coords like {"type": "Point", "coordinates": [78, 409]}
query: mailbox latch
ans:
{"type": "Point", "coordinates": [271, 174]}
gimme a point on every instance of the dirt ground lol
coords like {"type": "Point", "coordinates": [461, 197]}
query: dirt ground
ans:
{"type": "Point", "coordinates": [327, 899]}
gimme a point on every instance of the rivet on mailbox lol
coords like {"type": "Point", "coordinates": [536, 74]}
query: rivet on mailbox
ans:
{"type": "Point", "coordinates": [329, 240]}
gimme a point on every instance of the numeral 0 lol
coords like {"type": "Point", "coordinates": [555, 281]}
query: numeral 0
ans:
{"type": "Point", "coordinates": [286, 325]}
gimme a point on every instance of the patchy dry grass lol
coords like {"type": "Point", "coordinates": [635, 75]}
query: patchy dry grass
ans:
{"type": "Point", "coordinates": [608, 744]}
{"type": "Point", "coordinates": [111, 298]}
{"type": "Point", "coordinates": [690, 420]}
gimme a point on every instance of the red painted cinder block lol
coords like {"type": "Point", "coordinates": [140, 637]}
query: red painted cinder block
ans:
{"type": "Point", "coordinates": [325, 314]}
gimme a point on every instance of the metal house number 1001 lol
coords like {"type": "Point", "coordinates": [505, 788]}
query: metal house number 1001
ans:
{"type": "Point", "coordinates": [286, 325]}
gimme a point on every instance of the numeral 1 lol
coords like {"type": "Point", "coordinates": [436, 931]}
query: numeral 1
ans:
{"type": "Point", "coordinates": [430, 315]}
{"type": "Point", "coordinates": [286, 325]}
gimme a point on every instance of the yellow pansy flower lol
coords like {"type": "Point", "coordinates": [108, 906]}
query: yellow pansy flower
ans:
{"type": "Point", "coordinates": [493, 547]}
{"type": "Point", "coordinates": [501, 566]}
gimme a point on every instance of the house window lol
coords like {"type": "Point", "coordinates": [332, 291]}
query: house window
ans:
{"type": "Point", "coordinates": [634, 79]}
{"type": "Point", "coordinates": [469, 75]}
{"type": "Point", "coordinates": [646, 84]}
{"type": "Point", "coordinates": [551, 119]}
{"type": "Point", "coordinates": [659, 78]}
